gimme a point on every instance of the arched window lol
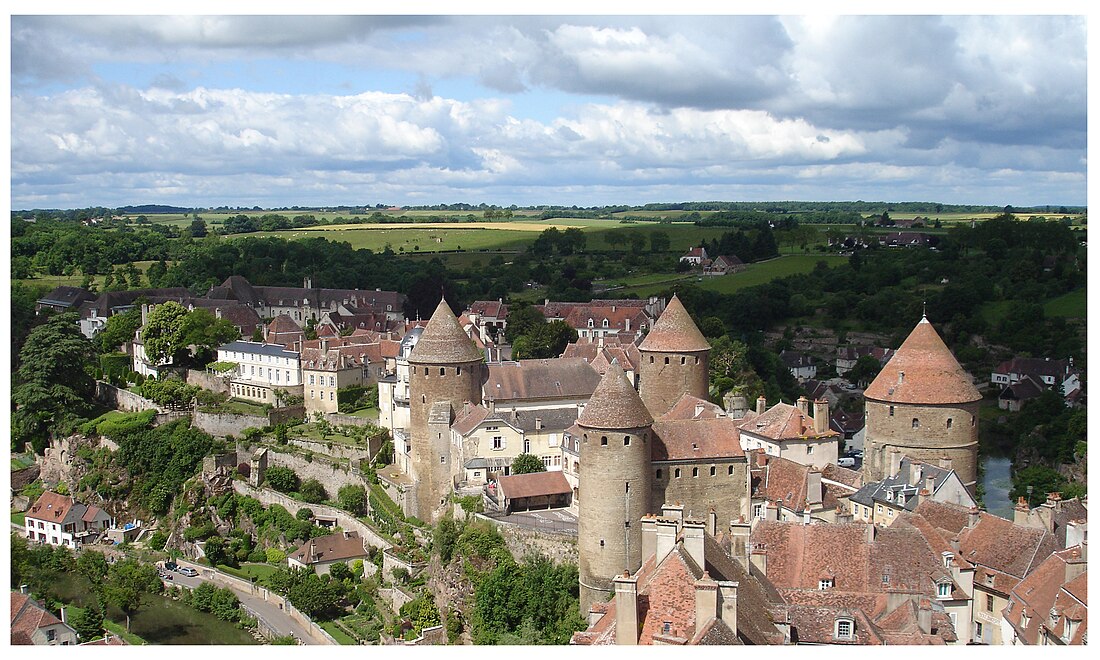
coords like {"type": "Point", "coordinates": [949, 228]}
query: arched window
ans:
{"type": "Point", "coordinates": [666, 360]}
{"type": "Point", "coordinates": [916, 423]}
{"type": "Point", "coordinates": [626, 440]}
{"type": "Point", "coordinates": [442, 370]}
{"type": "Point", "coordinates": [683, 359]}
{"type": "Point", "coordinates": [677, 473]}
{"type": "Point", "coordinates": [603, 440]}
{"type": "Point", "coordinates": [695, 472]}
{"type": "Point", "coordinates": [949, 422]}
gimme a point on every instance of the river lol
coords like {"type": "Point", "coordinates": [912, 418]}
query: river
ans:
{"type": "Point", "coordinates": [997, 480]}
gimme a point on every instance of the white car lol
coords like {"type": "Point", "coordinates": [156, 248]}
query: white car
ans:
{"type": "Point", "coordinates": [846, 461]}
{"type": "Point", "coordinates": [188, 571]}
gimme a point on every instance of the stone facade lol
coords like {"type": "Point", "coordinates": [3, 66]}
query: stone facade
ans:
{"type": "Point", "coordinates": [925, 433]}
{"type": "Point", "coordinates": [719, 485]}
{"type": "Point", "coordinates": [665, 377]}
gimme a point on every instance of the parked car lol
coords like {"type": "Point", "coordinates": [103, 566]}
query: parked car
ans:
{"type": "Point", "coordinates": [846, 462]}
{"type": "Point", "coordinates": [188, 571]}
{"type": "Point", "coordinates": [171, 566]}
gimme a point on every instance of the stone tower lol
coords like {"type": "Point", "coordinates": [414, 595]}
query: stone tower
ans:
{"type": "Point", "coordinates": [674, 358]}
{"type": "Point", "coordinates": [616, 440]}
{"type": "Point", "coordinates": [446, 369]}
{"type": "Point", "coordinates": [922, 405]}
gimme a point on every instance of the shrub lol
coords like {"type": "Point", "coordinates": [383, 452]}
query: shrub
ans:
{"type": "Point", "coordinates": [282, 479]}
{"type": "Point", "coordinates": [312, 491]}
{"type": "Point", "coordinates": [275, 556]}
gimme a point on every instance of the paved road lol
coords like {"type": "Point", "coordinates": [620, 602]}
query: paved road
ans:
{"type": "Point", "coordinates": [269, 611]}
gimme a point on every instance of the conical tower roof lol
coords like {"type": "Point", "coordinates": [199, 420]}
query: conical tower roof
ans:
{"type": "Point", "coordinates": [674, 332]}
{"type": "Point", "coordinates": [443, 341]}
{"type": "Point", "coordinates": [923, 370]}
{"type": "Point", "coordinates": [615, 404]}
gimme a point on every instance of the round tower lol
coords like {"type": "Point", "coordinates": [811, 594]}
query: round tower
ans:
{"type": "Point", "coordinates": [446, 369]}
{"type": "Point", "coordinates": [613, 493]}
{"type": "Point", "coordinates": [674, 358]}
{"type": "Point", "coordinates": [922, 405]}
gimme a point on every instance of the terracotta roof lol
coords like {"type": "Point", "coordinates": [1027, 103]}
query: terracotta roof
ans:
{"type": "Point", "coordinates": [615, 404]}
{"type": "Point", "coordinates": [443, 341]}
{"type": "Point", "coordinates": [51, 506]}
{"type": "Point", "coordinates": [535, 484]}
{"type": "Point", "coordinates": [1047, 589]}
{"type": "Point", "coordinates": [784, 422]}
{"type": "Point", "coordinates": [27, 616]}
{"type": "Point", "coordinates": [333, 547]}
{"type": "Point", "coordinates": [674, 332]}
{"type": "Point", "coordinates": [692, 407]}
{"type": "Point", "coordinates": [493, 308]}
{"type": "Point", "coordinates": [702, 439]}
{"type": "Point", "coordinates": [923, 370]}
{"type": "Point", "coordinates": [552, 378]}
{"type": "Point", "coordinates": [468, 418]}
{"type": "Point", "coordinates": [783, 479]}
{"type": "Point", "coordinates": [1002, 546]}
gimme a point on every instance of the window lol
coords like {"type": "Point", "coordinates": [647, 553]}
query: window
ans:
{"type": "Point", "coordinates": [443, 459]}
{"type": "Point", "coordinates": [658, 473]}
{"type": "Point", "coordinates": [891, 411]}
{"type": "Point", "coordinates": [626, 441]}
{"type": "Point", "coordinates": [677, 473]}
{"type": "Point", "coordinates": [844, 628]}
{"type": "Point", "coordinates": [989, 602]}
{"type": "Point", "coordinates": [332, 381]}
{"type": "Point", "coordinates": [51, 635]}
{"type": "Point", "coordinates": [948, 422]}
{"type": "Point", "coordinates": [944, 589]}
{"type": "Point", "coordinates": [825, 583]}
{"type": "Point", "coordinates": [695, 472]}
{"type": "Point", "coordinates": [683, 359]}
{"type": "Point", "coordinates": [916, 423]}
{"type": "Point", "coordinates": [809, 450]}
{"type": "Point", "coordinates": [442, 370]}
{"type": "Point", "coordinates": [757, 510]}
{"type": "Point", "coordinates": [498, 442]}
{"type": "Point", "coordinates": [713, 470]}
{"type": "Point", "coordinates": [978, 631]}
{"type": "Point", "coordinates": [603, 441]}
{"type": "Point", "coordinates": [311, 379]}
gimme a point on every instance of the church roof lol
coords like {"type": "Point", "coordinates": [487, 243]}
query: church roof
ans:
{"type": "Point", "coordinates": [674, 332]}
{"type": "Point", "coordinates": [443, 341]}
{"type": "Point", "coordinates": [615, 404]}
{"type": "Point", "coordinates": [923, 370]}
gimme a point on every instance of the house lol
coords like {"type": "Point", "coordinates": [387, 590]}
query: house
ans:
{"type": "Point", "coordinates": [33, 624]}
{"type": "Point", "coordinates": [600, 352]}
{"type": "Point", "coordinates": [847, 356]}
{"type": "Point", "coordinates": [490, 317]}
{"type": "Point", "coordinates": [790, 432]}
{"type": "Point", "coordinates": [853, 583]}
{"type": "Point", "coordinates": [695, 256]}
{"type": "Point", "coordinates": [850, 425]}
{"type": "Point", "coordinates": [802, 366]}
{"type": "Point", "coordinates": [911, 482]}
{"type": "Point", "coordinates": [63, 299]}
{"type": "Point", "coordinates": [331, 364]}
{"type": "Point", "coordinates": [261, 369]}
{"type": "Point", "coordinates": [907, 239]}
{"type": "Point", "coordinates": [1050, 606]}
{"type": "Point", "coordinates": [1065, 519]}
{"type": "Point", "coordinates": [688, 591]}
{"type": "Point", "coordinates": [1058, 374]}
{"type": "Point", "coordinates": [537, 490]}
{"type": "Point", "coordinates": [94, 313]}
{"type": "Point", "coordinates": [723, 265]}
{"type": "Point", "coordinates": [830, 391]}
{"type": "Point", "coordinates": [308, 302]}
{"type": "Point", "coordinates": [322, 552]}
{"type": "Point", "coordinates": [793, 490]}
{"type": "Point", "coordinates": [1013, 397]}
{"type": "Point", "coordinates": [61, 520]}
{"type": "Point", "coordinates": [284, 331]}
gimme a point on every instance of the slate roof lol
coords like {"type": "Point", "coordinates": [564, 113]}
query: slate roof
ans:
{"type": "Point", "coordinates": [1058, 369]}
{"type": "Point", "coordinates": [615, 404]}
{"type": "Point", "coordinates": [932, 375]}
{"type": "Point", "coordinates": [443, 341]}
{"type": "Point", "coordinates": [674, 332]}
{"type": "Point", "coordinates": [256, 348]}
{"type": "Point", "coordinates": [553, 378]}
{"type": "Point", "coordinates": [66, 296]}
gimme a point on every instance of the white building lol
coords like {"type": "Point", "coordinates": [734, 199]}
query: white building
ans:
{"type": "Point", "coordinates": [61, 520]}
{"type": "Point", "coordinates": [261, 368]}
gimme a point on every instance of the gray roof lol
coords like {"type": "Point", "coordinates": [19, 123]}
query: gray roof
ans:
{"type": "Point", "coordinates": [889, 489]}
{"type": "Point", "coordinates": [277, 350]}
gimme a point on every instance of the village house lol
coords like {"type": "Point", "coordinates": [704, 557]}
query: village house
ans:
{"type": "Point", "coordinates": [790, 432]}
{"type": "Point", "coordinates": [490, 317]}
{"type": "Point", "coordinates": [61, 520]}
{"type": "Point", "coordinates": [33, 624]}
{"type": "Point", "coordinates": [847, 356]}
{"type": "Point", "coordinates": [322, 552]}
{"type": "Point", "coordinates": [1050, 606]}
{"type": "Point", "coordinates": [1023, 379]}
{"type": "Point", "coordinates": [308, 302]}
{"type": "Point", "coordinates": [801, 365]}
{"type": "Point", "coordinates": [600, 353]}
{"type": "Point", "coordinates": [330, 365]}
{"type": "Point", "coordinates": [723, 265]}
{"type": "Point", "coordinates": [880, 502]}
{"type": "Point", "coordinates": [625, 320]}
{"type": "Point", "coordinates": [695, 256]}
{"type": "Point", "coordinates": [261, 369]}
{"type": "Point", "coordinates": [63, 299]}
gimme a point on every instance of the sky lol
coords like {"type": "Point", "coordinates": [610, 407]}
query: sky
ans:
{"type": "Point", "coordinates": [323, 110]}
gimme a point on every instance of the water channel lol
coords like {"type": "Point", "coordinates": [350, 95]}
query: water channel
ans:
{"type": "Point", "coordinates": [997, 480]}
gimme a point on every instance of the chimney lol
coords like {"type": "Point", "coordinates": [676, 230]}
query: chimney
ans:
{"type": "Point", "coordinates": [972, 517]}
{"type": "Point", "coordinates": [626, 609]}
{"type": "Point", "coordinates": [761, 458]}
{"type": "Point", "coordinates": [803, 405]}
{"type": "Point", "coordinates": [761, 405]}
{"type": "Point", "coordinates": [712, 522]}
{"type": "Point", "coordinates": [649, 536]}
{"type": "Point", "coordinates": [594, 616]}
{"type": "Point", "coordinates": [64, 616]}
{"type": "Point", "coordinates": [813, 487]}
{"type": "Point", "coordinates": [1020, 512]}
{"type": "Point", "coordinates": [627, 321]}
{"type": "Point", "coordinates": [739, 542]}
{"type": "Point", "coordinates": [895, 461]}
{"type": "Point", "coordinates": [706, 601]}
{"type": "Point", "coordinates": [144, 314]}
{"type": "Point", "coordinates": [930, 484]}
{"type": "Point", "coordinates": [771, 510]}
{"type": "Point", "coordinates": [217, 312]}
{"type": "Point", "coordinates": [924, 618]}
{"type": "Point", "coordinates": [821, 416]}
{"type": "Point", "coordinates": [1076, 565]}
{"type": "Point", "coordinates": [674, 511]}
{"type": "Point", "coordinates": [727, 601]}
{"type": "Point", "coordinates": [693, 540]}
{"type": "Point", "coordinates": [870, 530]}
{"type": "Point", "coordinates": [666, 537]}
{"type": "Point", "coordinates": [759, 559]}
{"type": "Point", "coordinates": [945, 462]}
{"type": "Point", "coordinates": [307, 283]}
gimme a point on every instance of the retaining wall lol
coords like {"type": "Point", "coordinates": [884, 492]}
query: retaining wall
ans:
{"type": "Point", "coordinates": [122, 399]}
{"type": "Point", "coordinates": [559, 546]}
{"type": "Point", "coordinates": [208, 381]}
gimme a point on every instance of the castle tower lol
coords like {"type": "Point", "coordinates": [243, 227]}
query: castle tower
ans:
{"type": "Point", "coordinates": [922, 405]}
{"type": "Point", "coordinates": [674, 358]}
{"type": "Point", "coordinates": [616, 440]}
{"type": "Point", "coordinates": [446, 369]}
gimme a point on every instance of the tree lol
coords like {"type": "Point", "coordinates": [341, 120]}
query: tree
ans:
{"type": "Point", "coordinates": [128, 582]}
{"type": "Point", "coordinates": [312, 491]}
{"type": "Point", "coordinates": [55, 381]}
{"type": "Point", "coordinates": [198, 228]}
{"type": "Point", "coordinates": [205, 332]}
{"type": "Point", "coordinates": [546, 341]}
{"type": "Point", "coordinates": [89, 623]}
{"type": "Point", "coordinates": [526, 464]}
{"type": "Point", "coordinates": [864, 371]}
{"type": "Point", "coordinates": [163, 332]}
{"type": "Point", "coordinates": [120, 328]}
{"type": "Point", "coordinates": [522, 318]}
{"type": "Point", "coordinates": [282, 479]}
{"type": "Point", "coordinates": [659, 241]}
{"type": "Point", "coordinates": [353, 498]}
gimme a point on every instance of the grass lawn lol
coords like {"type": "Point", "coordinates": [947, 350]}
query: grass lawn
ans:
{"type": "Point", "coordinates": [21, 461]}
{"type": "Point", "coordinates": [120, 630]}
{"type": "Point", "coordinates": [755, 274]}
{"type": "Point", "coordinates": [366, 413]}
{"type": "Point", "coordinates": [1071, 304]}
{"type": "Point", "coordinates": [332, 628]}
{"type": "Point", "coordinates": [260, 571]}
{"type": "Point", "coordinates": [19, 518]}
{"type": "Point", "coordinates": [994, 311]}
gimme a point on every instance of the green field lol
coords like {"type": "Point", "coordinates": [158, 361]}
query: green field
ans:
{"type": "Point", "coordinates": [1070, 305]}
{"type": "Point", "coordinates": [332, 628]}
{"type": "Point", "coordinates": [753, 275]}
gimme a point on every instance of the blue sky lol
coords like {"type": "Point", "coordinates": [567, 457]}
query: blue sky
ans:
{"type": "Point", "coordinates": [211, 110]}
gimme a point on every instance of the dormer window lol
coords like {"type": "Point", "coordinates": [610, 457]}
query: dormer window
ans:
{"type": "Point", "coordinates": [591, 323]}
{"type": "Point", "coordinates": [605, 324]}
{"type": "Point", "coordinates": [845, 628]}
{"type": "Point", "coordinates": [826, 583]}
{"type": "Point", "coordinates": [944, 589]}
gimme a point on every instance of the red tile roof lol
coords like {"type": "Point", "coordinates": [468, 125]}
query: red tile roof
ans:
{"type": "Point", "coordinates": [785, 422]}
{"type": "Point", "coordinates": [923, 371]}
{"type": "Point", "coordinates": [27, 616]}
{"type": "Point", "coordinates": [51, 506]}
{"type": "Point", "coordinates": [333, 547]}
{"type": "Point", "coordinates": [701, 439]}
{"type": "Point", "coordinates": [535, 484]}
